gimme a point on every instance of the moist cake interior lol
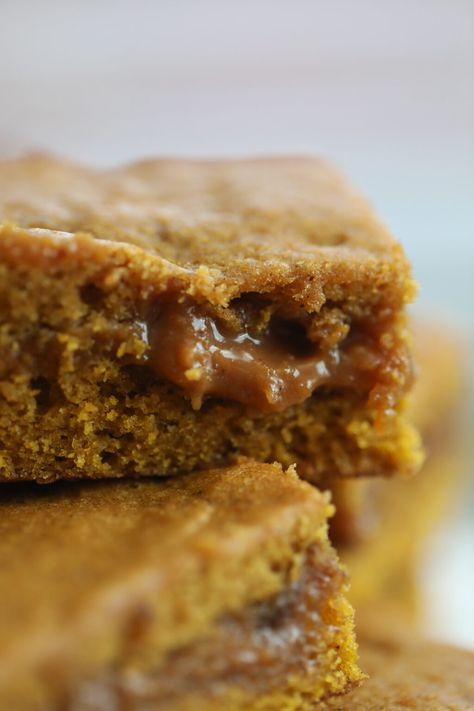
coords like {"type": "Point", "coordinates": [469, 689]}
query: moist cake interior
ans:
{"type": "Point", "coordinates": [175, 314]}
{"type": "Point", "coordinates": [117, 387]}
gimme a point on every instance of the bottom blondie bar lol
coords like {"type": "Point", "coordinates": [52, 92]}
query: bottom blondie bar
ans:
{"type": "Point", "coordinates": [217, 590]}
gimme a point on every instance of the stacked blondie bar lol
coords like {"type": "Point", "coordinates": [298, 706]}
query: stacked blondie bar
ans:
{"type": "Point", "coordinates": [204, 362]}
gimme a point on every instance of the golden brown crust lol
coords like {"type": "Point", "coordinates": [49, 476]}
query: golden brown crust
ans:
{"type": "Point", "coordinates": [218, 228]}
{"type": "Point", "coordinates": [98, 575]}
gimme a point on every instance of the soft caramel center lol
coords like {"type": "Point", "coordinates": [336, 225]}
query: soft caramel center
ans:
{"type": "Point", "coordinates": [268, 368]}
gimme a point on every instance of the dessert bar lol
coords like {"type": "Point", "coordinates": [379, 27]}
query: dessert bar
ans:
{"type": "Point", "coordinates": [216, 590]}
{"type": "Point", "coordinates": [172, 315]}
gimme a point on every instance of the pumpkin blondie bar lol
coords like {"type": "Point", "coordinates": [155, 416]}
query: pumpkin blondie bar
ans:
{"type": "Point", "coordinates": [173, 315]}
{"type": "Point", "coordinates": [214, 590]}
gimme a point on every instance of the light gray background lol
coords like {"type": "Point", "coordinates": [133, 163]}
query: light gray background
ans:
{"type": "Point", "coordinates": [385, 88]}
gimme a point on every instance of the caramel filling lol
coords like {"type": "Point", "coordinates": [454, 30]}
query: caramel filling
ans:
{"type": "Point", "coordinates": [256, 650]}
{"type": "Point", "coordinates": [268, 366]}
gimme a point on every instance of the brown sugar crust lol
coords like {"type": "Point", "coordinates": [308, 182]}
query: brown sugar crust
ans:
{"type": "Point", "coordinates": [89, 258]}
{"type": "Point", "coordinates": [410, 674]}
{"type": "Point", "coordinates": [256, 225]}
{"type": "Point", "coordinates": [111, 579]}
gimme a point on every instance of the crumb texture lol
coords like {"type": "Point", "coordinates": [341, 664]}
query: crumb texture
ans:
{"type": "Point", "coordinates": [86, 256]}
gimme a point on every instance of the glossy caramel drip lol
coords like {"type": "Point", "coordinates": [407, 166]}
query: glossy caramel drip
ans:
{"type": "Point", "coordinates": [268, 368]}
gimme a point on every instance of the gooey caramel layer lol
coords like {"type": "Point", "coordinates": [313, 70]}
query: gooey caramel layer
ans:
{"type": "Point", "coordinates": [268, 366]}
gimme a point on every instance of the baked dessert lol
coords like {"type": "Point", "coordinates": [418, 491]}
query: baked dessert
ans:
{"type": "Point", "coordinates": [215, 590]}
{"type": "Point", "coordinates": [172, 315]}
{"type": "Point", "coordinates": [382, 554]}
{"type": "Point", "coordinates": [412, 674]}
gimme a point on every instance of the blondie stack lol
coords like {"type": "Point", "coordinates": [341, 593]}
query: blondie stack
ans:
{"type": "Point", "coordinates": [176, 336]}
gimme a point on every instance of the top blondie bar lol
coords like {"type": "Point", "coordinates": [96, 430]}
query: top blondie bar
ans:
{"type": "Point", "coordinates": [177, 314]}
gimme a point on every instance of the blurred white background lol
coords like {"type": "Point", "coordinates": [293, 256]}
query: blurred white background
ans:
{"type": "Point", "coordinates": [385, 88]}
